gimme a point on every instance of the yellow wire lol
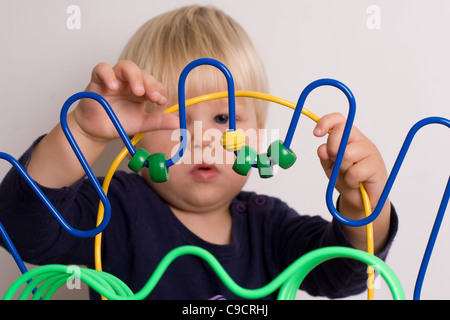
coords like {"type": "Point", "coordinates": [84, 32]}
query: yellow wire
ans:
{"type": "Point", "coordinates": [219, 95]}
{"type": "Point", "coordinates": [370, 246]}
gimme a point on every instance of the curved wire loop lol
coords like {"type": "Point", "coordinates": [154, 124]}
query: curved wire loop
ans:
{"type": "Point", "coordinates": [287, 281]}
{"type": "Point", "coordinates": [431, 241]}
{"type": "Point", "coordinates": [43, 198]}
{"type": "Point", "coordinates": [343, 144]}
{"type": "Point", "coordinates": [182, 101]}
{"type": "Point", "coordinates": [391, 179]}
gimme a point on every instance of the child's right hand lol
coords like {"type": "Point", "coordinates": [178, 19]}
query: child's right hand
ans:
{"type": "Point", "coordinates": [127, 89]}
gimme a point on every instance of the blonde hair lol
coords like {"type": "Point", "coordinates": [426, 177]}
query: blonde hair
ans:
{"type": "Point", "coordinates": [164, 45]}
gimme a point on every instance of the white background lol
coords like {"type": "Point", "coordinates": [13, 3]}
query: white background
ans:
{"type": "Point", "coordinates": [398, 74]}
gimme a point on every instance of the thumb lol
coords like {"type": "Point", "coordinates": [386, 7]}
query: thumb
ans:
{"type": "Point", "coordinates": [160, 121]}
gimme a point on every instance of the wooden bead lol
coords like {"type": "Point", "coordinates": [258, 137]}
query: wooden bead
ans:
{"type": "Point", "coordinates": [157, 167]}
{"type": "Point", "coordinates": [281, 155]}
{"type": "Point", "coordinates": [244, 160]}
{"type": "Point", "coordinates": [232, 140]}
{"type": "Point", "coordinates": [264, 166]}
{"type": "Point", "coordinates": [138, 160]}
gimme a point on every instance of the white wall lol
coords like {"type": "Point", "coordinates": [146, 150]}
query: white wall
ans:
{"type": "Point", "coordinates": [398, 74]}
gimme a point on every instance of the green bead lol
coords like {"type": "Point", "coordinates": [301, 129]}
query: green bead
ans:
{"type": "Point", "coordinates": [264, 166]}
{"type": "Point", "coordinates": [157, 167]}
{"type": "Point", "coordinates": [244, 160]}
{"type": "Point", "coordinates": [281, 155]}
{"type": "Point", "coordinates": [139, 158]}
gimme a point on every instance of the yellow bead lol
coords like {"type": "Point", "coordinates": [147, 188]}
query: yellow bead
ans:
{"type": "Point", "coordinates": [232, 140]}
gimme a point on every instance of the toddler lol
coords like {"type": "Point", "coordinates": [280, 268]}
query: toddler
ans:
{"type": "Point", "coordinates": [254, 237]}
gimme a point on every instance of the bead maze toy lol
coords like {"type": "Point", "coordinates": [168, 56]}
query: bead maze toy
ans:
{"type": "Point", "coordinates": [43, 281]}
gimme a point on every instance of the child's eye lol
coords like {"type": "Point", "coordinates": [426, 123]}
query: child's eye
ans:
{"type": "Point", "coordinates": [221, 119]}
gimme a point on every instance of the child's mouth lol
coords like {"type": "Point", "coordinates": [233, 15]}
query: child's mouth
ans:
{"type": "Point", "coordinates": [205, 172]}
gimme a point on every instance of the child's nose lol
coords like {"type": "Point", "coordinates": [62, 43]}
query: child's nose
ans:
{"type": "Point", "coordinates": [204, 134]}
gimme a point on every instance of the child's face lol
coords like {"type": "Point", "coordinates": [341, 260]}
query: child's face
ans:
{"type": "Point", "coordinates": [203, 180]}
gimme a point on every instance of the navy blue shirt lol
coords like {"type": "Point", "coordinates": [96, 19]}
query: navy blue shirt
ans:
{"type": "Point", "coordinates": [267, 236]}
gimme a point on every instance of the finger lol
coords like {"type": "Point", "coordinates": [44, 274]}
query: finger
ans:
{"type": "Point", "coordinates": [129, 73]}
{"type": "Point", "coordinates": [332, 121]}
{"type": "Point", "coordinates": [326, 123]}
{"type": "Point", "coordinates": [159, 121]}
{"type": "Point", "coordinates": [103, 74]}
{"type": "Point", "coordinates": [334, 140]}
{"type": "Point", "coordinates": [154, 90]}
{"type": "Point", "coordinates": [363, 171]}
{"type": "Point", "coordinates": [328, 162]}
{"type": "Point", "coordinates": [334, 124]}
{"type": "Point", "coordinates": [325, 160]}
{"type": "Point", "coordinates": [356, 152]}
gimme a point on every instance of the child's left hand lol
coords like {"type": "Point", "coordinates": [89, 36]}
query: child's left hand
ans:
{"type": "Point", "coordinates": [362, 162]}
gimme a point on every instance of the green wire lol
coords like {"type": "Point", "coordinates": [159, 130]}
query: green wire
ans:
{"type": "Point", "coordinates": [308, 262]}
{"type": "Point", "coordinates": [57, 283]}
{"type": "Point", "coordinates": [113, 288]}
{"type": "Point", "coordinates": [50, 283]}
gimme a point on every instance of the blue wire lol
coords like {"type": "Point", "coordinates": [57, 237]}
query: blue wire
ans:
{"type": "Point", "coordinates": [82, 159]}
{"type": "Point", "coordinates": [343, 144]}
{"type": "Point", "coordinates": [6, 239]}
{"type": "Point", "coordinates": [8, 242]}
{"type": "Point", "coordinates": [301, 103]}
{"type": "Point", "coordinates": [431, 242]}
{"type": "Point", "coordinates": [107, 213]}
{"type": "Point", "coordinates": [392, 176]}
{"type": "Point", "coordinates": [394, 172]}
{"type": "Point", "coordinates": [102, 101]}
{"type": "Point", "coordinates": [182, 102]}
{"type": "Point", "coordinates": [43, 198]}
{"type": "Point", "coordinates": [15, 254]}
